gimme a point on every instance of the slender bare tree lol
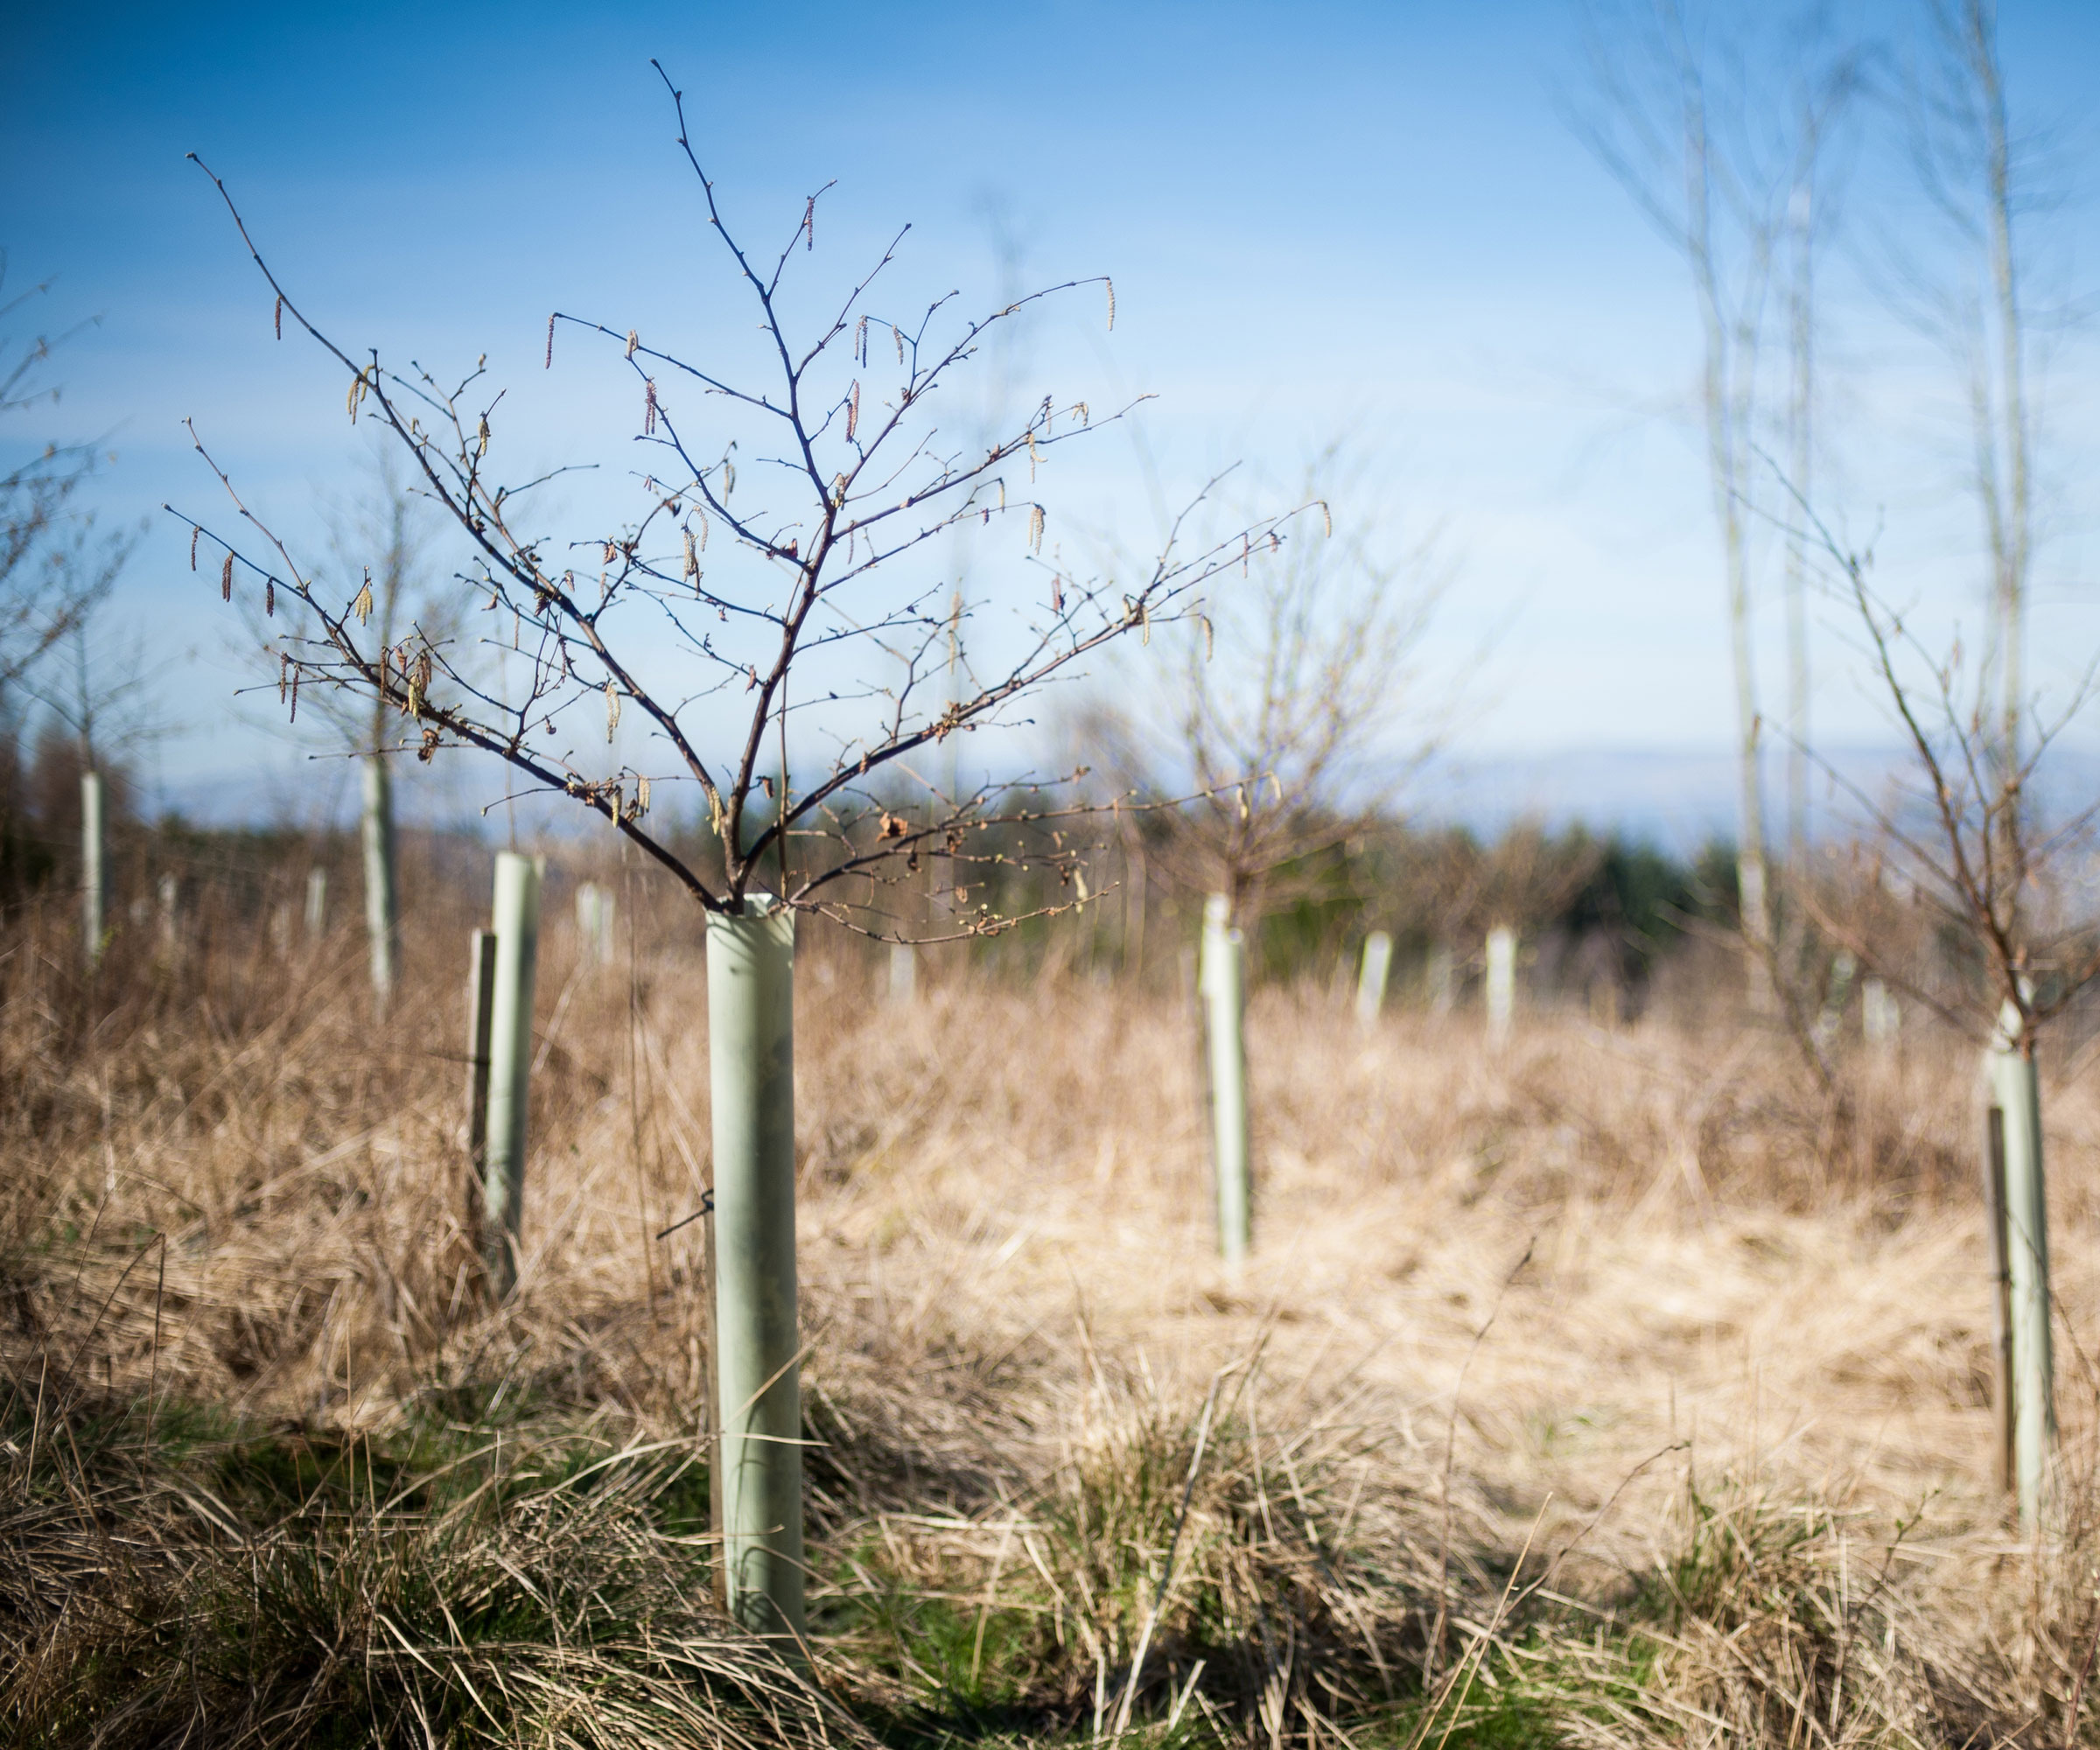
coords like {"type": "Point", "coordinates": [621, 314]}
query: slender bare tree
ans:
{"type": "Point", "coordinates": [823, 478]}
{"type": "Point", "coordinates": [1287, 681]}
{"type": "Point", "coordinates": [1969, 290]}
{"type": "Point", "coordinates": [1455, 889]}
{"type": "Point", "coordinates": [379, 541]}
{"type": "Point", "coordinates": [1811, 205]}
{"type": "Point", "coordinates": [55, 563]}
{"type": "Point", "coordinates": [57, 567]}
{"type": "Point", "coordinates": [1969, 838]}
{"type": "Point", "coordinates": [1975, 836]}
{"type": "Point", "coordinates": [1687, 119]}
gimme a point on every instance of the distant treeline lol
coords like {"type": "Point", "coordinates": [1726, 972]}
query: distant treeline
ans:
{"type": "Point", "coordinates": [1591, 910]}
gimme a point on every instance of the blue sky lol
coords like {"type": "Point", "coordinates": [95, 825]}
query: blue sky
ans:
{"type": "Point", "coordinates": [1322, 220]}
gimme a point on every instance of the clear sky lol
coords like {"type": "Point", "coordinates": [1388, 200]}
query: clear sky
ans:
{"type": "Point", "coordinates": [1368, 221]}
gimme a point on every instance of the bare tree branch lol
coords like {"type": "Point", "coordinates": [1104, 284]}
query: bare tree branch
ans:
{"type": "Point", "coordinates": [846, 481]}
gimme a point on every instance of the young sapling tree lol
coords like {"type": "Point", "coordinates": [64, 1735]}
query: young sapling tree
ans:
{"type": "Point", "coordinates": [380, 537]}
{"type": "Point", "coordinates": [56, 568]}
{"type": "Point", "coordinates": [1296, 668]}
{"type": "Point", "coordinates": [55, 563]}
{"type": "Point", "coordinates": [103, 704]}
{"type": "Point", "coordinates": [774, 570]}
{"type": "Point", "coordinates": [1968, 837]}
{"type": "Point", "coordinates": [1964, 836]}
{"type": "Point", "coordinates": [1717, 134]}
{"type": "Point", "coordinates": [1457, 890]}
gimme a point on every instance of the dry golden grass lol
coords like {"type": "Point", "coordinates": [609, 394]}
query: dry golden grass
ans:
{"type": "Point", "coordinates": [1622, 1387]}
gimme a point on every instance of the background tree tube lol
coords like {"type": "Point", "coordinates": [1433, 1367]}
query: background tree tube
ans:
{"type": "Point", "coordinates": [2017, 1089]}
{"type": "Point", "coordinates": [1221, 984]}
{"type": "Point", "coordinates": [517, 932]}
{"type": "Point", "coordinates": [91, 866]}
{"type": "Point", "coordinates": [382, 910]}
{"type": "Point", "coordinates": [1376, 967]}
{"type": "Point", "coordinates": [1499, 985]}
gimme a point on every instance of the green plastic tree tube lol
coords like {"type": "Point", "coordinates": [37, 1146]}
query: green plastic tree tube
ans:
{"type": "Point", "coordinates": [1501, 983]}
{"type": "Point", "coordinates": [2017, 1091]}
{"type": "Point", "coordinates": [1221, 984]}
{"type": "Point", "coordinates": [751, 1063]}
{"type": "Point", "coordinates": [517, 932]}
{"type": "Point", "coordinates": [381, 909]}
{"type": "Point", "coordinates": [1371, 976]}
{"type": "Point", "coordinates": [91, 866]}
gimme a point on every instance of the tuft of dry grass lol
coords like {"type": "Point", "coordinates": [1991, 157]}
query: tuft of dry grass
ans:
{"type": "Point", "coordinates": [161, 1585]}
{"type": "Point", "coordinates": [1622, 1386]}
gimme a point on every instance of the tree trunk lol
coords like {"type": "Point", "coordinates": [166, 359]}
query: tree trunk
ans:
{"type": "Point", "coordinates": [1440, 977]}
{"type": "Point", "coordinates": [1800, 435]}
{"type": "Point", "coordinates": [1750, 868]}
{"type": "Point", "coordinates": [1134, 901]}
{"type": "Point", "coordinates": [1727, 391]}
{"type": "Point", "coordinates": [2014, 536]}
